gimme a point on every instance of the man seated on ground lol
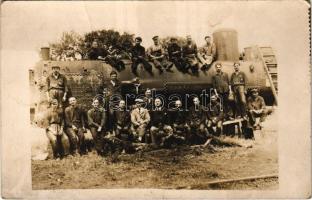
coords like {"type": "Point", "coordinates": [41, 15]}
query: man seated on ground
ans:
{"type": "Point", "coordinates": [75, 126]}
{"type": "Point", "coordinates": [140, 118]}
{"type": "Point", "coordinates": [96, 120]}
{"type": "Point", "coordinates": [207, 53]}
{"type": "Point", "coordinates": [122, 122]}
{"type": "Point", "coordinates": [256, 109]}
{"type": "Point", "coordinates": [178, 118]}
{"type": "Point", "coordinates": [189, 53]}
{"type": "Point", "coordinates": [215, 117]}
{"type": "Point", "coordinates": [197, 119]}
{"type": "Point", "coordinates": [55, 131]}
{"type": "Point", "coordinates": [156, 54]}
{"type": "Point", "coordinates": [160, 127]}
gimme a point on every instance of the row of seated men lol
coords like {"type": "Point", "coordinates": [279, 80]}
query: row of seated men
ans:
{"type": "Point", "coordinates": [187, 59]}
{"type": "Point", "coordinates": [163, 126]}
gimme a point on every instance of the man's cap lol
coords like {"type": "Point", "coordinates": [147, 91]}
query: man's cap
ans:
{"type": "Point", "coordinates": [155, 37]}
{"type": "Point", "coordinates": [55, 67]}
{"type": "Point", "coordinates": [253, 90]}
{"type": "Point", "coordinates": [207, 36]}
{"type": "Point", "coordinates": [138, 100]}
{"type": "Point", "coordinates": [188, 36]}
{"type": "Point", "coordinates": [113, 72]}
{"type": "Point", "coordinates": [173, 39]}
{"type": "Point", "coordinates": [139, 39]}
{"type": "Point", "coordinates": [236, 63]}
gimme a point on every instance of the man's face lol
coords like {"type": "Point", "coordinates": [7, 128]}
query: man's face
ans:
{"type": "Point", "coordinates": [196, 101]}
{"type": "Point", "coordinates": [255, 94]}
{"type": "Point", "coordinates": [178, 104]}
{"type": "Point", "coordinates": [189, 40]}
{"type": "Point", "coordinates": [236, 67]}
{"type": "Point", "coordinates": [56, 70]}
{"type": "Point", "coordinates": [138, 104]}
{"type": "Point", "coordinates": [174, 41]}
{"type": "Point", "coordinates": [122, 104]}
{"type": "Point", "coordinates": [148, 93]}
{"type": "Point", "coordinates": [72, 101]}
{"type": "Point", "coordinates": [54, 104]}
{"type": "Point", "coordinates": [208, 39]}
{"type": "Point", "coordinates": [218, 68]}
{"type": "Point", "coordinates": [156, 41]}
{"type": "Point", "coordinates": [157, 102]}
{"type": "Point", "coordinates": [94, 45]}
{"type": "Point", "coordinates": [113, 76]}
{"type": "Point", "coordinates": [137, 42]}
{"type": "Point", "coordinates": [96, 103]}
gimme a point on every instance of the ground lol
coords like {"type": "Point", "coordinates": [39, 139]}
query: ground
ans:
{"type": "Point", "coordinates": [179, 168]}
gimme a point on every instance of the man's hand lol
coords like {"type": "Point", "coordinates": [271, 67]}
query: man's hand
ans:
{"type": "Point", "coordinates": [99, 129]}
{"type": "Point", "coordinates": [74, 127]}
{"type": "Point", "coordinates": [64, 98]}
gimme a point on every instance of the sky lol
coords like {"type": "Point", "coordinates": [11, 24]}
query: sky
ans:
{"type": "Point", "coordinates": [27, 26]}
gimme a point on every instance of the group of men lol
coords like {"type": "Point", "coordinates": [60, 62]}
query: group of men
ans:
{"type": "Point", "coordinates": [149, 117]}
{"type": "Point", "coordinates": [186, 58]}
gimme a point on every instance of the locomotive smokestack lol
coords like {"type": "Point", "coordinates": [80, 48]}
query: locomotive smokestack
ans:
{"type": "Point", "coordinates": [45, 53]}
{"type": "Point", "coordinates": [227, 44]}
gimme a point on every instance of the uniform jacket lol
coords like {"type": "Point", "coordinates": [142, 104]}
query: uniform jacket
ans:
{"type": "Point", "coordinates": [255, 103]}
{"type": "Point", "coordinates": [197, 114]}
{"type": "Point", "coordinates": [209, 49]}
{"type": "Point", "coordinates": [220, 82]}
{"type": "Point", "coordinates": [238, 79]}
{"type": "Point", "coordinates": [57, 82]}
{"type": "Point", "coordinates": [112, 88]}
{"type": "Point", "coordinates": [159, 116]}
{"type": "Point", "coordinates": [96, 117]}
{"type": "Point", "coordinates": [178, 116]}
{"type": "Point", "coordinates": [189, 50]}
{"type": "Point", "coordinates": [122, 118]}
{"type": "Point", "coordinates": [215, 111]}
{"type": "Point", "coordinates": [74, 116]}
{"type": "Point", "coordinates": [173, 47]}
{"type": "Point", "coordinates": [137, 51]}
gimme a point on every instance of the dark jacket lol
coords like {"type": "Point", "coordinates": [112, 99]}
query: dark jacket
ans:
{"type": "Point", "coordinates": [74, 116]}
{"type": "Point", "coordinates": [159, 117]}
{"type": "Point", "coordinates": [112, 89]}
{"type": "Point", "coordinates": [122, 118]}
{"type": "Point", "coordinates": [197, 115]}
{"type": "Point", "coordinates": [215, 111]}
{"type": "Point", "coordinates": [174, 51]}
{"type": "Point", "coordinates": [220, 82]}
{"type": "Point", "coordinates": [189, 51]}
{"type": "Point", "coordinates": [57, 83]}
{"type": "Point", "coordinates": [96, 117]}
{"type": "Point", "coordinates": [178, 117]}
{"type": "Point", "coordinates": [138, 51]}
{"type": "Point", "coordinates": [238, 79]}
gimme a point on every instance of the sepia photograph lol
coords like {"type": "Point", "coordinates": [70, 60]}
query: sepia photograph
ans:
{"type": "Point", "coordinates": [170, 95]}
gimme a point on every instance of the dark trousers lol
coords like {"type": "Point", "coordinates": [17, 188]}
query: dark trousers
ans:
{"type": "Point", "coordinates": [116, 63]}
{"type": "Point", "coordinates": [97, 139]}
{"type": "Point", "coordinates": [179, 63]}
{"type": "Point", "coordinates": [240, 100]}
{"type": "Point", "coordinates": [57, 94]}
{"type": "Point", "coordinates": [146, 65]}
{"type": "Point", "coordinates": [228, 106]}
{"type": "Point", "coordinates": [76, 139]}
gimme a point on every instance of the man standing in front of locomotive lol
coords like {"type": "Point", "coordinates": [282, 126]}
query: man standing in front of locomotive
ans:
{"type": "Point", "coordinates": [221, 87]}
{"type": "Point", "coordinates": [238, 83]}
{"type": "Point", "coordinates": [189, 52]}
{"type": "Point", "coordinates": [57, 86]}
{"type": "Point", "coordinates": [207, 53]}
